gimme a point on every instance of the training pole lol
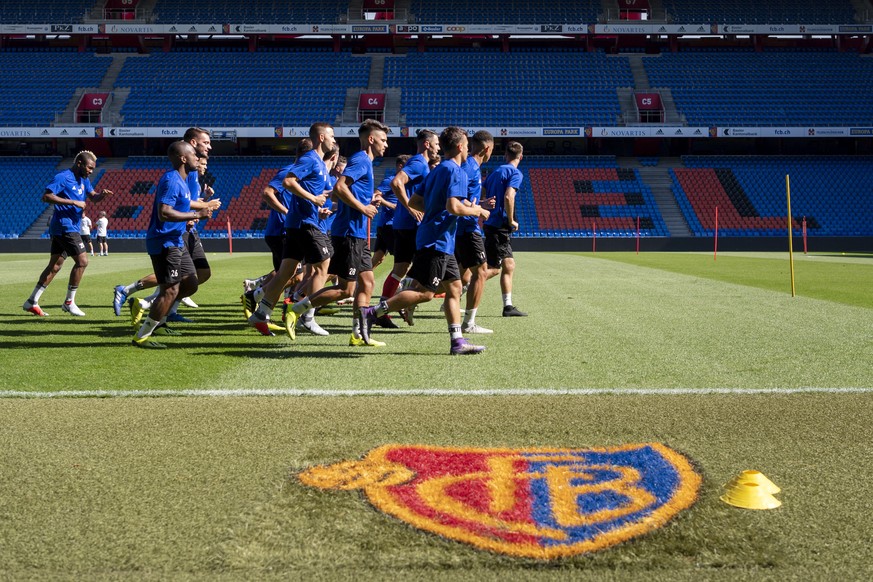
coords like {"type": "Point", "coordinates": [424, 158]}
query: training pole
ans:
{"type": "Point", "coordinates": [638, 235]}
{"type": "Point", "coordinates": [790, 237]}
{"type": "Point", "coordinates": [594, 239]}
{"type": "Point", "coordinates": [805, 249]}
{"type": "Point", "coordinates": [715, 241]}
{"type": "Point", "coordinates": [229, 237]}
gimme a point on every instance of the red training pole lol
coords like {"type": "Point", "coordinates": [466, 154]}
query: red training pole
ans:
{"type": "Point", "coordinates": [803, 224]}
{"type": "Point", "coordinates": [594, 239]}
{"type": "Point", "coordinates": [638, 235]}
{"type": "Point", "coordinates": [229, 237]}
{"type": "Point", "coordinates": [715, 251]}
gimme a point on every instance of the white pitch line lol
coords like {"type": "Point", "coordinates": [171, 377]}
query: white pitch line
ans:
{"type": "Point", "coordinates": [235, 393]}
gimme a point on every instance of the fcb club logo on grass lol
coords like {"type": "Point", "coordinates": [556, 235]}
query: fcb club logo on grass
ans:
{"type": "Point", "coordinates": [535, 503]}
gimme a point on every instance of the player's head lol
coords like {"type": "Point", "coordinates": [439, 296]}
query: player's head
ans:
{"type": "Point", "coordinates": [374, 136]}
{"type": "Point", "coordinates": [434, 161]}
{"type": "Point", "coordinates": [428, 142]}
{"type": "Point", "coordinates": [331, 156]}
{"type": "Point", "coordinates": [482, 143]}
{"type": "Point", "coordinates": [453, 142]}
{"type": "Point", "coordinates": [303, 146]}
{"type": "Point", "coordinates": [200, 139]}
{"type": "Point", "coordinates": [102, 214]}
{"type": "Point", "coordinates": [322, 137]}
{"type": "Point", "coordinates": [202, 165]}
{"type": "Point", "coordinates": [341, 162]}
{"type": "Point", "coordinates": [182, 154]}
{"type": "Point", "coordinates": [84, 163]}
{"type": "Point", "coordinates": [401, 161]}
{"type": "Point", "coordinates": [514, 151]}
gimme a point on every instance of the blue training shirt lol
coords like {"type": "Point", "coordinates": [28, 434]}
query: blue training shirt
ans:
{"type": "Point", "coordinates": [468, 224]}
{"type": "Point", "coordinates": [495, 187]}
{"type": "Point", "coordinates": [173, 191]}
{"type": "Point", "coordinates": [386, 215]}
{"type": "Point", "coordinates": [417, 170]}
{"type": "Point", "coordinates": [350, 222]}
{"type": "Point", "coordinates": [276, 220]}
{"type": "Point", "coordinates": [437, 228]}
{"type": "Point", "coordinates": [66, 217]}
{"type": "Point", "coordinates": [326, 224]}
{"type": "Point", "coordinates": [311, 173]}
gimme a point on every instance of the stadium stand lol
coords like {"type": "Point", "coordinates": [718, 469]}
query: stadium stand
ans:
{"type": "Point", "coordinates": [239, 88]}
{"type": "Point", "coordinates": [528, 87]}
{"type": "Point", "coordinates": [576, 195]}
{"type": "Point", "coordinates": [756, 12]}
{"type": "Point", "coordinates": [24, 179]}
{"type": "Point", "coordinates": [775, 88]}
{"type": "Point", "coordinates": [832, 193]}
{"type": "Point", "coordinates": [33, 87]}
{"type": "Point", "coordinates": [238, 182]}
{"type": "Point", "coordinates": [253, 11]}
{"type": "Point", "coordinates": [505, 12]}
{"type": "Point", "coordinates": [44, 11]}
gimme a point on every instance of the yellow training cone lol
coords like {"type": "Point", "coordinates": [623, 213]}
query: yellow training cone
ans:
{"type": "Point", "coordinates": [750, 496]}
{"type": "Point", "coordinates": [754, 477]}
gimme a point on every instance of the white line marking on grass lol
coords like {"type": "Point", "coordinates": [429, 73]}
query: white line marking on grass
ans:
{"type": "Point", "coordinates": [431, 392]}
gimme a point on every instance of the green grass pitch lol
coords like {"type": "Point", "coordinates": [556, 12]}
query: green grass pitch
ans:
{"type": "Point", "coordinates": [204, 487]}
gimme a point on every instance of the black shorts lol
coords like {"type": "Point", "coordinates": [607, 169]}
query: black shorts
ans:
{"type": "Point", "coordinates": [101, 239]}
{"type": "Point", "coordinates": [351, 257]}
{"type": "Point", "coordinates": [431, 267]}
{"type": "Point", "coordinates": [172, 265]}
{"type": "Point", "coordinates": [195, 249]}
{"type": "Point", "coordinates": [384, 240]}
{"type": "Point", "coordinates": [404, 244]}
{"type": "Point", "coordinates": [498, 245]}
{"type": "Point", "coordinates": [276, 244]}
{"type": "Point", "coordinates": [86, 238]}
{"type": "Point", "coordinates": [307, 243]}
{"type": "Point", "coordinates": [470, 249]}
{"type": "Point", "coordinates": [68, 244]}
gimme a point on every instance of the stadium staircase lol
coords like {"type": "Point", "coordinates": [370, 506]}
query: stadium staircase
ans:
{"type": "Point", "coordinates": [863, 10]}
{"type": "Point", "coordinates": [107, 85]}
{"type": "Point", "coordinates": [658, 179]}
{"type": "Point", "coordinates": [374, 85]}
{"type": "Point", "coordinates": [642, 85]}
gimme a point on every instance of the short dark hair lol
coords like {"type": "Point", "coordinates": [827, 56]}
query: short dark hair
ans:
{"type": "Point", "coordinates": [514, 150]}
{"type": "Point", "coordinates": [451, 138]}
{"type": "Point", "coordinates": [303, 146]}
{"type": "Point", "coordinates": [193, 132]}
{"type": "Point", "coordinates": [369, 126]}
{"type": "Point", "coordinates": [342, 160]}
{"type": "Point", "coordinates": [316, 128]}
{"type": "Point", "coordinates": [330, 153]}
{"type": "Point", "coordinates": [422, 135]}
{"type": "Point", "coordinates": [479, 140]}
{"type": "Point", "coordinates": [401, 160]}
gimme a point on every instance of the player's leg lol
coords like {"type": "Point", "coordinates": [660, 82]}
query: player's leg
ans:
{"type": "Point", "coordinates": [56, 261]}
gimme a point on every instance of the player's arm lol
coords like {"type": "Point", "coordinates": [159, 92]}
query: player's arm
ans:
{"type": "Point", "coordinates": [509, 206]}
{"type": "Point", "coordinates": [292, 184]}
{"type": "Point", "coordinates": [98, 196]}
{"type": "Point", "coordinates": [343, 193]}
{"type": "Point", "coordinates": [460, 207]}
{"type": "Point", "coordinates": [50, 197]}
{"type": "Point", "coordinates": [269, 196]}
{"type": "Point", "coordinates": [210, 204]}
{"type": "Point", "coordinates": [170, 214]}
{"type": "Point", "coordinates": [398, 186]}
{"type": "Point", "coordinates": [383, 202]}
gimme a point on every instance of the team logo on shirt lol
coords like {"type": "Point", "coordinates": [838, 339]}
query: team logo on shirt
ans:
{"type": "Point", "coordinates": [538, 503]}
